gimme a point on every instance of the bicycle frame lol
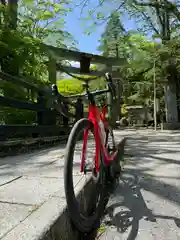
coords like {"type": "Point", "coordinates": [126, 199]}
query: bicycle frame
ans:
{"type": "Point", "coordinates": [95, 116]}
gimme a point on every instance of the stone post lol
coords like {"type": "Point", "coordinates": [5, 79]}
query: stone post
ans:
{"type": "Point", "coordinates": [171, 103]}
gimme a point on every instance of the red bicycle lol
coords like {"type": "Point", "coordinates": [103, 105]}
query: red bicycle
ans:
{"type": "Point", "coordinates": [101, 159]}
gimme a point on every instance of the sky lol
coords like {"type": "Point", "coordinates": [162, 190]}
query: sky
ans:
{"type": "Point", "coordinates": [76, 28]}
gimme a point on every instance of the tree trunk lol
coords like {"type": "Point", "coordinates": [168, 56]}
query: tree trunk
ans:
{"type": "Point", "coordinates": [171, 103]}
{"type": "Point", "coordinates": [171, 86]}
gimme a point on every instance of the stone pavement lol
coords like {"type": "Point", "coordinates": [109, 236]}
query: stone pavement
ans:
{"type": "Point", "coordinates": [33, 183]}
{"type": "Point", "coordinates": [145, 204]}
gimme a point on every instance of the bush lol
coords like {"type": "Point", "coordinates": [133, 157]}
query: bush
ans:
{"type": "Point", "coordinates": [70, 86]}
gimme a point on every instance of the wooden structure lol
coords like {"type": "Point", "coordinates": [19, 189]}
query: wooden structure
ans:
{"type": "Point", "coordinates": [48, 127]}
{"type": "Point", "coordinates": [24, 131]}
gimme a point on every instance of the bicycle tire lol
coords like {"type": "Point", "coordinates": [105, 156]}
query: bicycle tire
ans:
{"type": "Point", "coordinates": [83, 223]}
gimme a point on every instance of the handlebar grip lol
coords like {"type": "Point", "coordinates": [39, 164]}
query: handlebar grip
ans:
{"type": "Point", "coordinates": [108, 77]}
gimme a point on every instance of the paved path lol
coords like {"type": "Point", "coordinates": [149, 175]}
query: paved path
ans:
{"type": "Point", "coordinates": [145, 204]}
{"type": "Point", "coordinates": [33, 183]}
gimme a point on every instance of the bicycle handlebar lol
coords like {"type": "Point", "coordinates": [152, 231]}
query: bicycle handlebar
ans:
{"type": "Point", "coordinates": [111, 89]}
{"type": "Point", "coordinates": [96, 93]}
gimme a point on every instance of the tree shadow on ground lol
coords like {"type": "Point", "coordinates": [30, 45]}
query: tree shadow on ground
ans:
{"type": "Point", "coordinates": [153, 147]}
{"type": "Point", "coordinates": [143, 149]}
{"type": "Point", "coordinates": [40, 159]}
{"type": "Point", "coordinates": [136, 206]}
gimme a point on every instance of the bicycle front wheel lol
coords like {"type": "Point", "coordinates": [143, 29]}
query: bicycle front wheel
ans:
{"type": "Point", "coordinates": [81, 217]}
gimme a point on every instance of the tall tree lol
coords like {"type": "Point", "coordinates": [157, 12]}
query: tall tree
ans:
{"type": "Point", "coordinates": [110, 42]}
{"type": "Point", "coordinates": [113, 34]}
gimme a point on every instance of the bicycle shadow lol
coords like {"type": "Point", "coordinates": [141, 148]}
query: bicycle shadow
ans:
{"type": "Point", "coordinates": [135, 209]}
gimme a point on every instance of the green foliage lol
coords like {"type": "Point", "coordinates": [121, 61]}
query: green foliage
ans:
{"type": "Point", "coordinates": [98, 84]}
{"type": "Point", "coordinates": [141, 54]}
{"type": "Point", "coordinates": [73, 86]}
{"type": "Point", "coordinates": [16, 116]}
{"type": "Point", "coordinates": [160, 20]}
{"type": "Point", "coordinates": [70, 86]}
{"type": "Point", "coordinates": [44, 20]}
{"type": "Point", "coordinates": [22, 31]}
{"type": "Point", "coordinates": [28, 24]}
